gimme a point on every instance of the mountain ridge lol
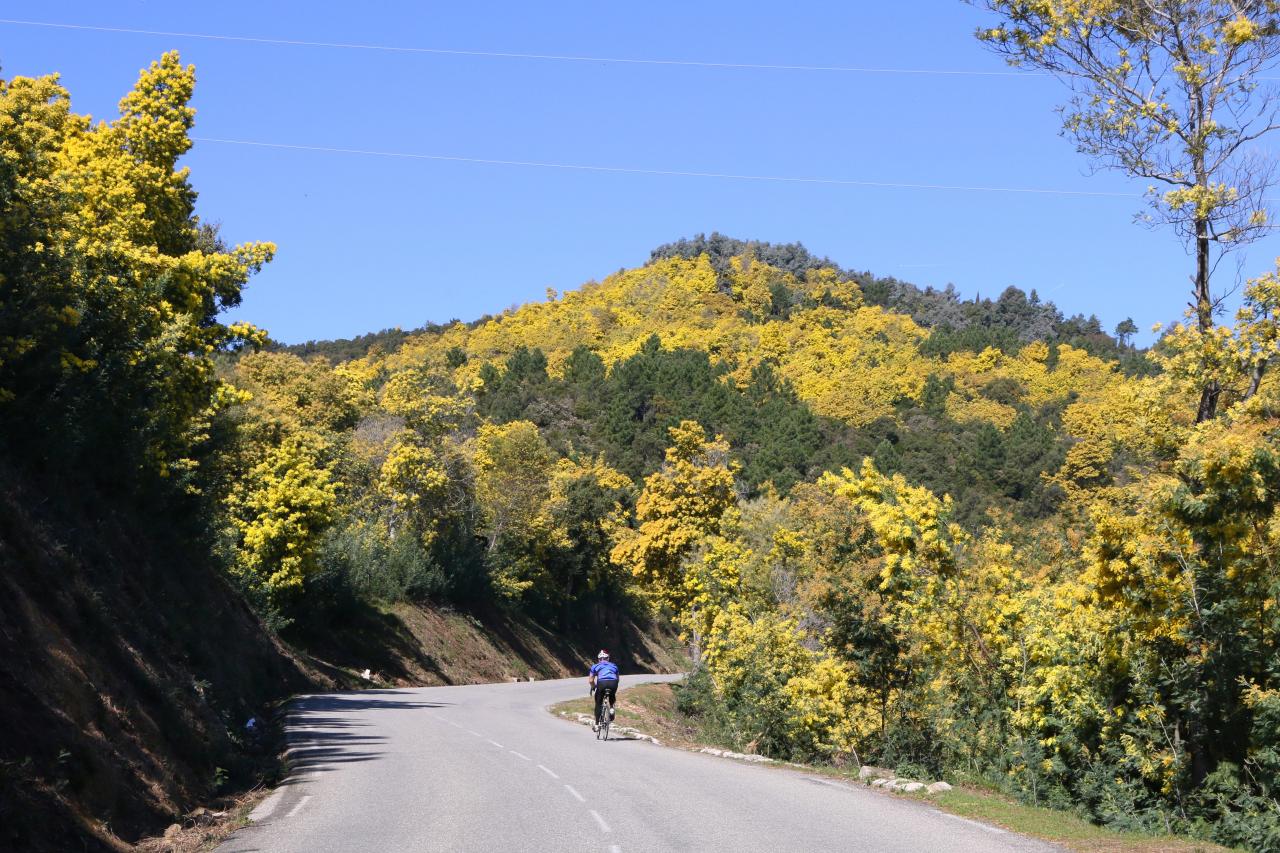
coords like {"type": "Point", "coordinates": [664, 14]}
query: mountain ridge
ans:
{"type": "Point", "coordinates": [1015, 316]}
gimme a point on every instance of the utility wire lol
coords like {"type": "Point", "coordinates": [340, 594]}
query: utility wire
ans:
{"type": "Point", "coordinates": [542, 56]}
{"type": "Point", "coordinates": [492, 54]}
{"type": "Point", "coordinates": [789, 179]}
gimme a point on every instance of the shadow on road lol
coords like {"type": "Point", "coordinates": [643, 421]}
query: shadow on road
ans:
{"type": "Point", "coordinates": [315, 751]}
{"type": "Point", "coordinates": [363, 700]}
{"type": "Point", "coordinates": [319, 729]}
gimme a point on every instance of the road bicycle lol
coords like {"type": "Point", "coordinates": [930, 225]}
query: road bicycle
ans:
{"type": "Point", "coordinates": [604, 720]}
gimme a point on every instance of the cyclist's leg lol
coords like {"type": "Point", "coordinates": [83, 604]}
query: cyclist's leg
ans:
{"type": "Point", "coordinates": [599, 702]}
{"type": "Point", "coordinates": [611, 691]}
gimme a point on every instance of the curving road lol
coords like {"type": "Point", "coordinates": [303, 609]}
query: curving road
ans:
{"type": "Point", "coordinates": [486, 768]}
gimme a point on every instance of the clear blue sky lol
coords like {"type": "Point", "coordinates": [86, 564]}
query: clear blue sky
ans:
{"type": "Point", "coordinates": [371, 242]}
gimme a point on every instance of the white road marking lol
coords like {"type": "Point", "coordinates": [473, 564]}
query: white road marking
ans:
{"type": "Point", "coordinates": [521, 755]}
{"type": "Point", "coordinates": [615, 849]}
{"type": "Point", "coordinates": [981, 826]}
{"type": "Point", "coordinates": [604, 827]}
{"type": "Point", "coordinates": [293, 811]}
{"type": "Point", "coordinates": [548, 771]}
{"type": "Point", "coordinates": [477, 734]}
{"type": "Point", "coordinates": [576, 795]}
{"type": "Point", "coordinates": [267, 806]}
{"type": "Point", "coordinates": [498, 745]}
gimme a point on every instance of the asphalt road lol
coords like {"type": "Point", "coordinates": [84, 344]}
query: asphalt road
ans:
{"type": "Point", "coordinates": [486, 768]}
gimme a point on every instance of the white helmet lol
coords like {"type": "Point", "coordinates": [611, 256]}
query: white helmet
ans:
{"type": "Point", "coordinates": [603, 655]}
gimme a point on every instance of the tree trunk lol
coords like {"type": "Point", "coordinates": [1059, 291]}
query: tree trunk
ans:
{"type": "Point", "coordinates": [1204, 318]}
{"type": "Point", "coordinates": [1255, 378]}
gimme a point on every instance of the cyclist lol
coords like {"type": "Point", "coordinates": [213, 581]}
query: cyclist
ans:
{"type": "Point", "coordinates": [604, 681]}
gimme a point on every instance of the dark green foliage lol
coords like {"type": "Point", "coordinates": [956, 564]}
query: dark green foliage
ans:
{"type": "Point", "coordinates": [788, 257]}
{"type": "Point", "coordinates": [625, 413]}
{"type": "Point", "coordinates": [1005, 389]}
{"type": "Point", "coordinates": [886, 457]}
{"type": "Point", "coordinates": [455, 357]}
{"type": "Point", "coordinates": [944, 340]}
{"type": "Point", "coordinates": [696, 698]}
{"type": "Point", "coordinates": [933, 399]}
{"type": "Point", "coordinates": [372, 568]}
{"type": "Point", "coordinates": [582, 580]}
{"type": "Point", "coordinates": [346, 349]}
{"type": "Point", "coordinates": [1230, 810]}
{"type": "Point", "coordinates": [980, 466]}
{"type": "Point", "coordinates": [781, 300]}
{"type": "Point", "coordinates": [1125, 330]}
{"type": "Point", "coordinates": [507, 395]}
{"type": "Point", "coordinates": [387, 341]}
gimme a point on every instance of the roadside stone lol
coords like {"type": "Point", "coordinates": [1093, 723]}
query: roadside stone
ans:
{"type": "Point", "coordinates": [881, 783]}
{"type": "Point", "coordinates": [866, 771]}
{"type": "Point", "coordinates": [939, 787]}
{"type": "Point", "coordinates": [912, 787]}
{"type": "Point", "coordinates": [709, 751]}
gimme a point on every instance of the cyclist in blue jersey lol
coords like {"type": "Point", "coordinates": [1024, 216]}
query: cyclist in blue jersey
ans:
{"type": "Point", "coordinates": [604, 681]}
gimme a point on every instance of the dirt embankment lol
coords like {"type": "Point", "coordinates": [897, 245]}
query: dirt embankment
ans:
{"type": "Point", "coordinates": [127, 669]}
{"type": "Point", "coordinates": [410, 644]}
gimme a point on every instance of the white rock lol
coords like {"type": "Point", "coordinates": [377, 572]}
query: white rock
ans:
{"type": "Point", "coordinates": [912, 787]}
{"type": "Point", "coordinates": [866, 771]}
{"type": "Point", "coordinates": [939, 787]}
{"type": "Point", "coordinates": [881, 783]}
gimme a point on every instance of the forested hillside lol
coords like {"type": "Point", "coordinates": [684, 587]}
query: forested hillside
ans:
{"type": "Point", "coordinates": [973, 538]}
{"type": "Point", "coordinates": [1002, 548]}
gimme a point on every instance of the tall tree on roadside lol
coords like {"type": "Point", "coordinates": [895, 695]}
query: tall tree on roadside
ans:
{"type": "Point", "coordinates": [685, 501]}
{"type": "Point", "coordinates": [513, 466]}
{"type": "Point", "coordinates": [1167, 91]}
{"type": "Point", "coordinates": [110, 286]}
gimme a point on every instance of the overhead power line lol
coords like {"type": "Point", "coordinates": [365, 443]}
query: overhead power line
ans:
{"type": "Point", "coordinates": [492, 54]}
{"type": "Point", "coordinates": [681, 173]}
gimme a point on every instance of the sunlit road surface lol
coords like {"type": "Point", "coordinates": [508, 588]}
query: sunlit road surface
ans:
{"type": "Point", "coordinates": [486, 768]}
